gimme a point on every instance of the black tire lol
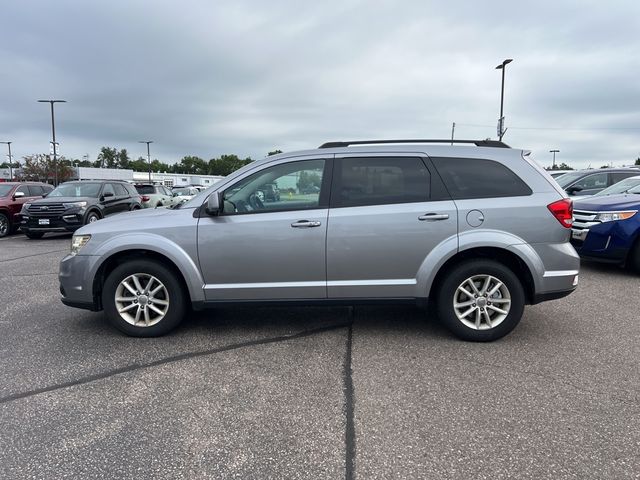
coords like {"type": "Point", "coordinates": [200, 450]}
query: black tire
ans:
{"type": "Point", "coordinates": [5, 225]}
{"type": "Point", "coordinates": [135, 207]}
{"type": "Point", "coordinates": [448, 293]}
{"type": "Point", "coordinates": [176, 297]}
{"type": "Point", "coordinates": [34, 235]}
{"type": "Point", "coordinates": [634, 257]}
{"type": "Point", "coordinates": [91, 217]}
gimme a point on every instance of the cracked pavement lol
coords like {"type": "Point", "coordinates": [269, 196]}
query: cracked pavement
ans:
{"type": "Point", "coordinates": [364, 392]}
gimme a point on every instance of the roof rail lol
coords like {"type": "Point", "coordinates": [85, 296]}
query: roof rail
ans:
{"type": "Point", "coordinates": [477, 143]}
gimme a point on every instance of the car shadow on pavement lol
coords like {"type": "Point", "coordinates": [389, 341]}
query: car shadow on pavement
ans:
{"type": "Point", "coordinates": [608, 268]}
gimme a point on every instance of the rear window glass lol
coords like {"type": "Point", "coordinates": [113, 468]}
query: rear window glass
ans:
{"type": "Point", "coordinates": [477, 178]}
{"type": "Point", "coordinates": [145, 189]}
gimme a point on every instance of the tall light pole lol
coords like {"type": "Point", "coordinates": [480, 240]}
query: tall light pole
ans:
{"type": "Point", "coordinates": [53, 131]}
{"type": "Point", "coordinates": [553, 167]}
{"type": "Point", "coordinates": [148, 155]}
{"type": "Point", "coordinates": [10, 161]}
{"type": "Point", "coordinates": [501, 128]}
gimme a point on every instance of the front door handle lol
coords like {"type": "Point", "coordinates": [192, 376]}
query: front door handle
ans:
{"type": "Point", "coordinates": [305, 224]}
{"type": "Point", "coordinates": [430, 217]}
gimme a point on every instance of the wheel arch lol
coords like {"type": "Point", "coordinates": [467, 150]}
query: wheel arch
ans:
{"type": "Point", "coordinates": [121, 257]}
{"type": "Point", "coordinates": [502, 255]}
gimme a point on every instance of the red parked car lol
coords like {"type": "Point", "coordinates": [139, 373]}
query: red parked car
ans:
{"type": "Point", "coordinates": [12, 196]}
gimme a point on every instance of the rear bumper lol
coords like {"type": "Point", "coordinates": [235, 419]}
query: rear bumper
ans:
{"type": "Point", "coordinates": [555, 268]}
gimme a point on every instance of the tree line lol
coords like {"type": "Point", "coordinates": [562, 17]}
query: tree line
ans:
{"type": "Point", "coordinates": [41, 167]}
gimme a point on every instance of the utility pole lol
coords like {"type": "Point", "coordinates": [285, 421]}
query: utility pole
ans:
{"type": "Point", "coordinates": [453, 129]}
{"type": "Point", "coordinates": [10, 161]}
{"type": "Point", "coordinates": [501, 129]}
{"type": "Point", "coordinates": [148, 155]}
{"type": "Point", "coordinates": [53, 131]}
{"type": "Point", "coordinates": [553, 167]}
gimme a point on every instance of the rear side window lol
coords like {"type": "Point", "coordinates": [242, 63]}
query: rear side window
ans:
{"type": "Point", "coordinates": [379, 181]}
{"type": "Point", "coordinates": [476, 178]}
{"type": "Point", "coordinates": [616, 177]}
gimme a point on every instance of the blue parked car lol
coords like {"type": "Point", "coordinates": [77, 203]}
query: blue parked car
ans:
{"type": "Point", "coordinates": [607, 228]}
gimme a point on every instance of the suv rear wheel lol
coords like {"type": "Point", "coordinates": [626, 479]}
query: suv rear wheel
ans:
{"type": "Point", "coordinates": [480, 300]}
{"type": "Point", "coordinates": [142, 298]}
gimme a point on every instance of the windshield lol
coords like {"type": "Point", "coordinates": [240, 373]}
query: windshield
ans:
{"type": "Point", "coordinates": [5, 189]}
{"type": "Point", "coordinates": [77, 190]}
{"type": "Point", "coordinates": [182, 191]}
{"type": "Point", "coordinates": [622, 186]}
{"type": "Point", "coordinates": [568, 178]}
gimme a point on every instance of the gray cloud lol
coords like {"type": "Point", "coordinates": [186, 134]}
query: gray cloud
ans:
{"type": "Point", "coordinates": [245, 77]}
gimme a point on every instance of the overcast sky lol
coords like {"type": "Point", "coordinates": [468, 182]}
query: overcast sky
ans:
{"type": "Point", "coordinates": [211, 77]}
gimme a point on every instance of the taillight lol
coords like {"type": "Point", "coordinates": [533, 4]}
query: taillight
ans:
{"type": "Point", "coordinates": [145, 198]}
{"type": "Point", "coordinates": [563, 211]}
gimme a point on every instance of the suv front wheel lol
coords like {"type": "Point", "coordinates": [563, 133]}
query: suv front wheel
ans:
{"type": "Point", "coordinates": [142, 298]}
{"type": "Point", "coordinates": [480, 300]}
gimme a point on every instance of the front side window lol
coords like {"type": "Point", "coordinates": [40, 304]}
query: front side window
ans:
{"type": "Point", "coordinates": [468, 178]}
{"type": "Point", "coordinates": [35, 191]}
{"type": "Point", "coordinates": [120, 190]}
{"type": "Point", "coordinates": [597, 180]}
{"type": "Point", "coordinates": [23, 189]}
{"type": "Point", "coordinates": [379, 181]}
{"type": "Point", "coordinates": [108, 188]}
{"type": "Point", "coordinates": [288, 186]}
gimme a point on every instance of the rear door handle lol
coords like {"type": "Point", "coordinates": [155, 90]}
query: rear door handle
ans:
{"type": "Point", "coordinates": [305, 224]}
{"type": "Point", "coordinates": [430, 217]}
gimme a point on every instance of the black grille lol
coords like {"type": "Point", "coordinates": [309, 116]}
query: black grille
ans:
{"type": "Point", "coordinates": [51, 208]}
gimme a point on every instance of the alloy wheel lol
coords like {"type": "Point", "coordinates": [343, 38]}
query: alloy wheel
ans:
{"type": "Point", "coordinates": [482, 302]}
{"type": "Point", "coordinates": [142, 300]}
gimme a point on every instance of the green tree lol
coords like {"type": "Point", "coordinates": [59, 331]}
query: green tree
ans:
{"type": "Point", "coordinates": [191, 164]}
{"type": "Point", "coordinates": [226, 164]}
{"type": "Point", "coordinates": [637, 161]}
{"type": "Point", "coordinates": [112, 158]}
{"type": "Point", "coordinates": [307, 180]}
{"type": "Point", "coordinates": [41, 168]}
{"type": "Point", "coordinates": [274, 152]}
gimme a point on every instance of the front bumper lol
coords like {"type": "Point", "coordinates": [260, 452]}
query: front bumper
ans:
{"type": "Point", "coordinates": [65, 222]}
{"type": "Point", "coordinates": [608, 242]}
{"type": "Point", "coordinates": [76, 282]}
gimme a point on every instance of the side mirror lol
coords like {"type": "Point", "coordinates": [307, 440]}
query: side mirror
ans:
{"type": "Point", "coordinates": [18, 195]}
{"type": "Point", "coordinates": [107, 194]}
{"type": "Point", "coordinates": [213, 204]}
{"type": "Point", "coordinates": [574, 190]}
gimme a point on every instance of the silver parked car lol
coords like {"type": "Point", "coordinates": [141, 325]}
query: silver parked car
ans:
{"type": "Point", "coordinates": [478, 230]}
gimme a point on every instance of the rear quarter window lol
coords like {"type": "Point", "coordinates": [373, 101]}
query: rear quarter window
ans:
{"type": "Point", "coordinates": [479, 178]}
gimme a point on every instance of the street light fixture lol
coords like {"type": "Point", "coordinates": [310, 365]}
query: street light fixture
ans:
{"type": "Point", "coordinates": [10, 161]}
{"type": "Point", "coordinates": [501, 129]}
{"type": "Point", "coordinates": [148, 155]}
{"type": "Point", "coordinates": [553, 167]}
{"type": "Point", "coordinates": [53, 131]}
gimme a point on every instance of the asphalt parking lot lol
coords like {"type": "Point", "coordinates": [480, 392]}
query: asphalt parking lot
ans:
{"type": "Point", "coordinates": [364, 392]}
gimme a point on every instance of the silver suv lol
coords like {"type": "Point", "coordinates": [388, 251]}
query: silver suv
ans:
{"type": "Point", "coordinates": [479, 230]}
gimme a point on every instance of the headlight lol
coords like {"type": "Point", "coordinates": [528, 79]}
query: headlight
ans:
{"type": "Point", "coordinates": [79, 241]}
{"type": "Point", "coordinates": [613, 216]}
{"type": "Point", "coordinates": [25, 206]}
{"type": "Point", "coordinates": [74, 204]}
